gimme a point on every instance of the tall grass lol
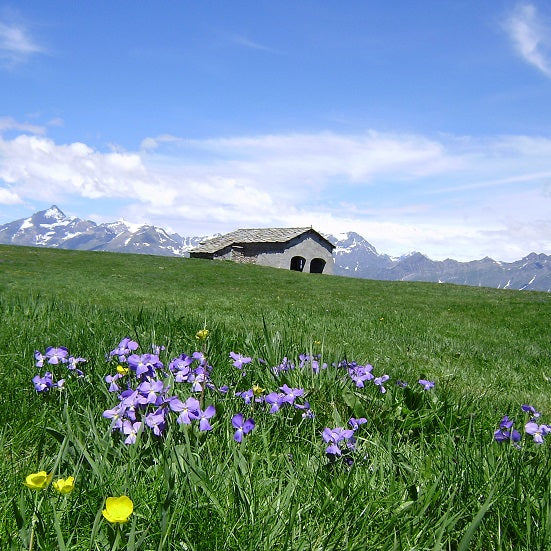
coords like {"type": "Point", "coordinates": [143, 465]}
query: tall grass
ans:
{"type": "Point", "coordinates": [426, 471]}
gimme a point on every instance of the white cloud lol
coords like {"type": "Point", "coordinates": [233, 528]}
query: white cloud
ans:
{"type": "Point", "coordinates": [308, 160]}
{"type": "Point", "coordinates": [16, 45]}
{"type": "Point", "coordinates": [8, 123]}
{"type": "Point", "coordinates": [153, 143]}
{"type": "Point", "coordinates": [530, 34]}
{"type": "Point", "coordinates": [382, 186]}
{"type": "Point", "coordinates": [42, 169]}
{"type": "Point", "coordinates": [8, 197]}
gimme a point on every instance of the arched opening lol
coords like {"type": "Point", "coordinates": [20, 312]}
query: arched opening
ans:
{"type": "Point", "coordinates": [297, 263]}
{"type": "Point", "coordinates": [317, 265]}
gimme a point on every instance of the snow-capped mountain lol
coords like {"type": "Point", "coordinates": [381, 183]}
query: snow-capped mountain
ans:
{"type": "Point", "coordinates": [52, 228]}
{"type": "Point", "coordinates": [354, 256]}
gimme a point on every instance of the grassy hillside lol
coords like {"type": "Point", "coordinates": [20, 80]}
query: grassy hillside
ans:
{"type": "Point", "coordinates": [426, 472]}
{"type": "Point", "coordinates": [482, 340]}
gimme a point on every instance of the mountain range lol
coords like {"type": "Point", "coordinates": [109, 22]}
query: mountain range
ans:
{"type": "Point", "coordinates": [354, 255]}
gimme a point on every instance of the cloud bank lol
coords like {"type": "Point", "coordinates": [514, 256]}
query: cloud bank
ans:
{"type": "Point", "coordinates": [447, 196]}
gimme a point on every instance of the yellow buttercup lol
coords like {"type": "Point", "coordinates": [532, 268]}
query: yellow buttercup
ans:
{"type": "Point", "coordinates": [118, 509]}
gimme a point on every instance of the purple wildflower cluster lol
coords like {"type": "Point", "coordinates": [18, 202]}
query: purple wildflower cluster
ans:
{"type": "Point", "coordinates": [507, 433]}
{"type": "Point", "coordinates": [342, 440]}
{"type": "Point", "coordinates": [286, 396]}
{"type": "Point", "coordinates": [146, 397]}
{"type": "Point", "coordinates": [55, 356]}
{"type": "Point", "coordinates": [305, 362]}
{"type": "Point", "coordinates": [147, 401]}
{"type": "Point", "coordinates": [362, 373]}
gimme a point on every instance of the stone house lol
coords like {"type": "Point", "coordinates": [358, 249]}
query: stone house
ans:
{"type": "Point", "coordinates": [300, 249]}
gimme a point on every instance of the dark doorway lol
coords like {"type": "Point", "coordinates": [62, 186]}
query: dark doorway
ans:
{"type": "Point", "coordinates": [317, 265]}
{"type": "Point", "coordinates": [297, 263]}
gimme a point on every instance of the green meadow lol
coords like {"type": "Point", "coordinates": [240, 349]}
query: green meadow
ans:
{"type": "Point", "coordinates": [424, 472]}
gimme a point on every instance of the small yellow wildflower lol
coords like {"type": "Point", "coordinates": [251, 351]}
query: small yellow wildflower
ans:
{"type": "Point", "coordinates": [118, 509]}
{"type": "Point", "coordinates": [64, 485]}
{"type": "Point", "coordinates": [317, 343]}
{"type": "Point", "coordinates": [38, 481]}
{"type": "Point", "coordinates": [202, 334]}
{"type": "Point", "coordinates": [258, 390]}
{"type": "Point", "coordinates": [122, 370]}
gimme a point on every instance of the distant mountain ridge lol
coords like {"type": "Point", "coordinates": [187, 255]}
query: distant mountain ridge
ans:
{"type": "Point", "coordinates": [52, 228]}
{"type": "Point", "coordinates": [354, 255]}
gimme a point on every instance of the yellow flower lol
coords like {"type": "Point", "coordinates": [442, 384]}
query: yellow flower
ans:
{"type": "Point", "coordinates": [202, 334]}
{"type": "Point", "coordinates": [64, 485]}
{"type": "Point", "coordinates": [257, 390]}
{"type": "Point", "coordinates": [118, 509]}
{"type": "Point", "coordinates": [317, 343]}
{"type": "Point", "coordinates": [38, 481]}
{"type": "Point", "coordinates": [122, 370]}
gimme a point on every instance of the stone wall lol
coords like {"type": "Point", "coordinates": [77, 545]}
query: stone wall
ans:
{"type": "Point", "coordinates": [279, 255]}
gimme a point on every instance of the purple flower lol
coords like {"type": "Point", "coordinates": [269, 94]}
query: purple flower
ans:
{"type": "Point", "coordinates": [157, 349]}
{"type": "Point", "coordinates": [43, 384]}
{"type": "Point", "coordinates": [239, 361]}
{"type": "Point", "coordinates": [537, 431]}
{"type": "Point", "coordinates": [276, 399]}
{"type": "Point", "coordinates": [150, 390]}
{"type": "Point", "coordinates": [307, 413]}
{"type": "Point", "coordinates": [290, 393]}
{"type": "Point", "coordinates": [355, 423]}
{"type": "Point", "coordinates": [131, 430]}
{"type": "Point", "coordinates": [314, 362]}
{"type": "Point", "coordinates": [285, 365]}
{"type": "Point", "coordinates": [56, 355]}
{"type": "Point", "coordinates": [333, 437]}
{"type": "Point", "coordinates": [116, 415]}
{"type": "Point", "coordinates": [190, 411]}
{"type": "Point", "coordinates": [242, 426]}
{"type": "Point", "coordinates": [379, 382]}
{"type": "Point", "coordinates": [506, 431]}
{"type": "Point", "coordinates": [144, 365]}
{"type": "Point", "coordinates": [204, 417]}
{"type": "Point", "coordinates": [427, 385]}
{"type": "Point", "coordinates": [156, 421]}
{"type": "Point", "coordinates": [174, 403]}
{"type": "Point", "coordinates": [181, 367]}
{"type": "Point", "coordinates": [124, 349]}
{"type": "Point", "coordinates": [132, 398]}
{"type": "Point", "coordinates": [39, 358]}
{"type": "Point", "coordinates": [402, 384]}
{"type": "Point", "coordinates": [112, 380]}
{"type": "Point", "coordinates": [72, 365]}
{"type": "Point", "coordinates": [360, 373]}
{"type": "Point", "coordinates": [247, 395]}
{"type": "Point", "coordinates": [531, 410]}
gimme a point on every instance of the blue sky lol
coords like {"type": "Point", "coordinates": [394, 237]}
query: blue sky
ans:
{"type": "Point", "coordinates": [420, 125]}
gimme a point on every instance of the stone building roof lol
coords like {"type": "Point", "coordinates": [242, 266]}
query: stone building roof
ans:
{"type": "Point", "coordinates": [254, 235]}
